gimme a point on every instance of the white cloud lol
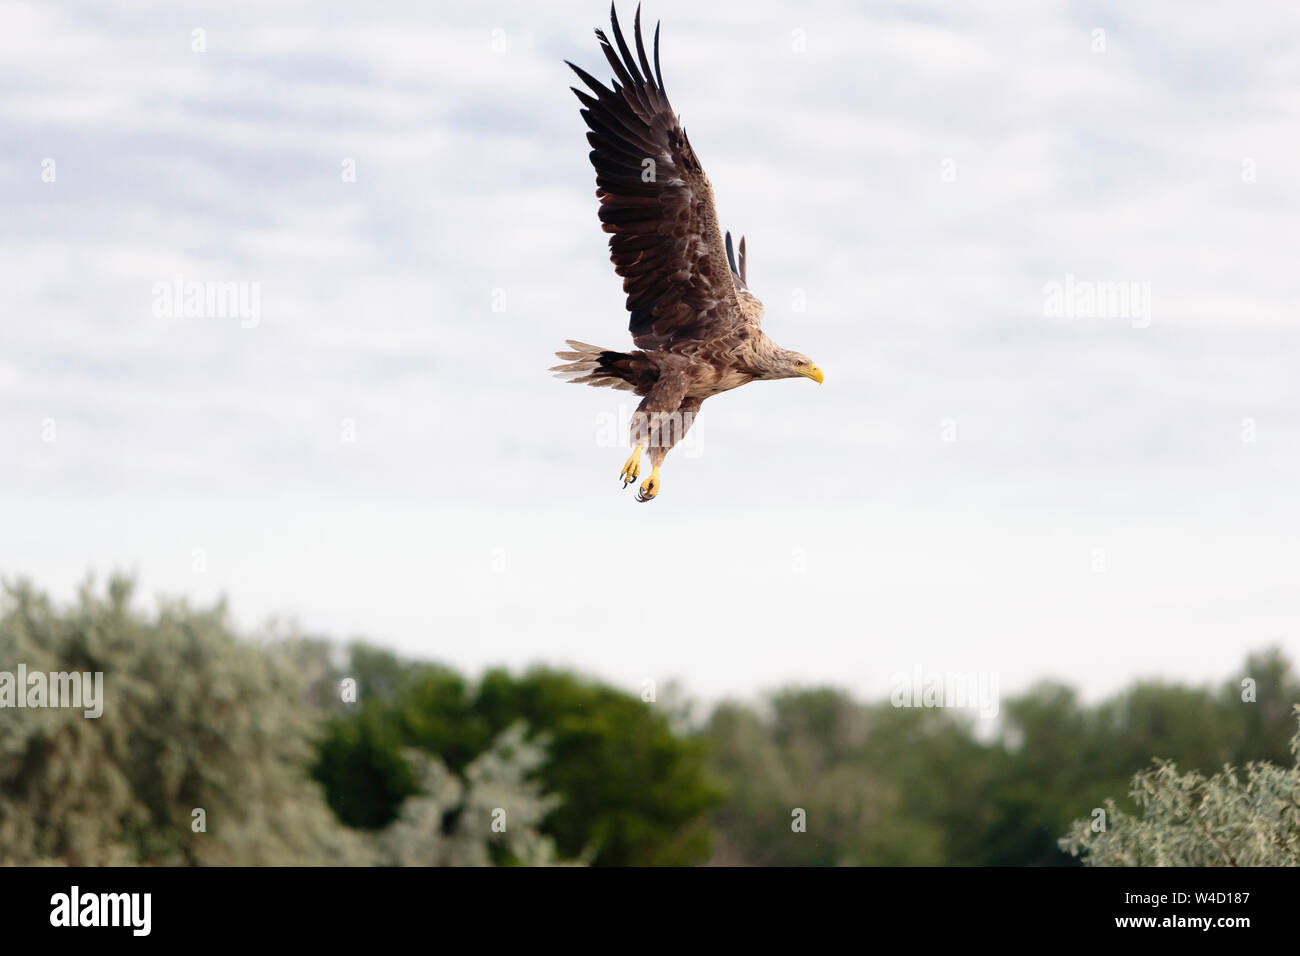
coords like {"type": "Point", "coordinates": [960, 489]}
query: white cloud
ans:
{"type": "Point", "coordinates": [925, 304]}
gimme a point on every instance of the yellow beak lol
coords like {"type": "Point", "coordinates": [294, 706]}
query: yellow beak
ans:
{"type": "Point", "coordinates": [814, 373]}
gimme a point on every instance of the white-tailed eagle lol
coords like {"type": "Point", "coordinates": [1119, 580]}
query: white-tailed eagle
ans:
{"type": "Point", "coordinates": [695, 324]}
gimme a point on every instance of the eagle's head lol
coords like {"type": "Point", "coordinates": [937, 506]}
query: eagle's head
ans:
{"type": "Point", "coordinates": [791, 364]}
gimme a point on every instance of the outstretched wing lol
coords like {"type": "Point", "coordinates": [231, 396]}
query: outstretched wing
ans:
{"type": "Point", "coordinates": [656, 202]}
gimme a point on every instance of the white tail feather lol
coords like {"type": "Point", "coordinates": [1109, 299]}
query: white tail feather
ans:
{"type": "Point", "coordinates": [581, 362]}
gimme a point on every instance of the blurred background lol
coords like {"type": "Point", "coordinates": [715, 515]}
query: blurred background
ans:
{"type": "Point", "coordinates": [352, 466]}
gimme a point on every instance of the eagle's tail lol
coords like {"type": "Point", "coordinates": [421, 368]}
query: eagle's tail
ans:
{"type": "Point", "coordinates": [591, 365]}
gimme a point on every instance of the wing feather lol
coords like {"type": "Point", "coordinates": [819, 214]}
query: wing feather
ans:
{"type": "Point", "coordinates": [664, 236]}
{"type": "Point", "coordinates": [750, 306]}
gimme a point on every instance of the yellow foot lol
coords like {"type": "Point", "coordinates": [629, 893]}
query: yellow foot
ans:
{"type": "Point", "coordinates": [631, 468]}
{"type": "Point", "coordinates": [649, 487]}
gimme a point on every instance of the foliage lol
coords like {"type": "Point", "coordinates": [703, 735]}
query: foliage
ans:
{"type": "Point", "coordinates": [886, 786]}
{"type": "Point", "coordinates": [195, 718]}
{"type": "Point", "coordinates": [1064, 758]}
{"type": "Point", "coordinates": [192, 719]}
{"type": "Point", "coordinates": [865, 777]}
{"type": "Point", "coordinates": [288, 770]}
{"type": "Point", "coordinates": [631, 790]}
{"type": "Point", "coordinates": [491, 815]}
{"type": "Point", "coordinates": [1247, 817]}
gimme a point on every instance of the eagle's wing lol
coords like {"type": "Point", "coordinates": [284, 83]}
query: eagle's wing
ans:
{"type": "Point", "coordinates": [657, 203]}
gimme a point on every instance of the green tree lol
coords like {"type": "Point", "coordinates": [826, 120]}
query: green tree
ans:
{"type": "Point", "coordinates": [631, 790]}
{"type": "Point", "coordinates": [877, 785]}
{"type": "Point", "coordinates": [884, 785]}
{"type": "Point", "coordinates": [196, 718]}
{"type": "Point", "coordinates": [193, 719]}
{"type": "Point", "coordinates": [490, 815]}
{"type": "Point", "coordinates": [1062, 758]}
{"type": "Point", "coordinates": [1247, 817]}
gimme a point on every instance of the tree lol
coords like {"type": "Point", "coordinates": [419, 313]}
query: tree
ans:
{"type": "Point", "coordinates": [201, 751]}
{"type": "Point", "coordinates": [1247, 817]}
{"type": "Point", "coordinates": [631, 790]}
{"type": "Point", "coordinates": [198, 757]}
{"type": "Point", "coordinates": [886, 786]}
{"type": "Point", "coordinates": [491, 815]}
{"type": "Point", "coordinates": [876, 785]}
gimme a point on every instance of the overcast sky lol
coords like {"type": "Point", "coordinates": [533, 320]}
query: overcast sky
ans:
{"type": "Point", "coordinates": [985, 483]}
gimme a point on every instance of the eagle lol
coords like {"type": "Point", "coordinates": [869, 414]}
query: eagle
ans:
{"type": "Point", "coordinates": [696, 326]}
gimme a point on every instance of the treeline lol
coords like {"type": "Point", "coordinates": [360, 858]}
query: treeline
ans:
{"type": "Point", "coordinates": [214, 748]}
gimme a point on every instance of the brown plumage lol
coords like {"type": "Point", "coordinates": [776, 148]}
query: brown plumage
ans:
{"type": "Point", "coordinates": [695, 324]}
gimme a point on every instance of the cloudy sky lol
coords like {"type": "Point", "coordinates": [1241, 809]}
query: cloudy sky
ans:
{"type": "Point", "coordinates": [987, 482]}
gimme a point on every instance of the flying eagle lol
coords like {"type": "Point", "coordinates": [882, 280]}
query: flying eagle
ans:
{"type": "Point", "coordinates": [695, 324]}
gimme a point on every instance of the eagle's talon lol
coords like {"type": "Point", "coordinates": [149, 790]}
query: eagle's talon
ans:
{"type": "Point", "coordinates": [631, 467]}
{"type": "Point", "coordinates": [649, 488]}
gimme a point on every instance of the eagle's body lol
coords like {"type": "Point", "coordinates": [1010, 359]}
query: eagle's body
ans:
{"type": "Point", "coordinates": [695, 324]}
